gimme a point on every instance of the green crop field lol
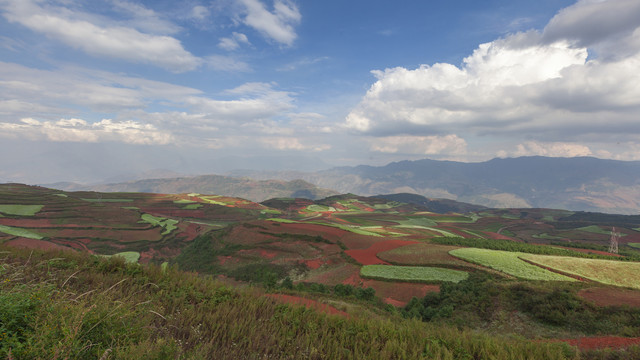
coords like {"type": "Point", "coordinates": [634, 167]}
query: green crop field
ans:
{"type": "Point", "coordinates": [129, 256]}
{"type": "Point", "coordinates": [619, 273]}
{"type": "Point", "coordinates": [15, 231]}
{"type": "Point", "coordinates": [168, 224]}
{"type": "Point", "coordinates": [417, 221]}
{"type": "Point", "coordinates": [107, 200]}
{"type": "Point", "coordinates": [507, 262]}
{"type": "Point", "coordinates": [596, 230]}
{"type": "Point", "coordinates": [412, 273]}
{"type": "Point", "coordinates": [22, 210]}
{"type": "Point", "coordinates": [192, 206]}
{"type": "Point", "coordinates": [634, 245]}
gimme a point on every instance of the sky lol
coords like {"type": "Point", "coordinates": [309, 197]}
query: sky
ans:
{"type": "Point", "coordinates": [99, 90]}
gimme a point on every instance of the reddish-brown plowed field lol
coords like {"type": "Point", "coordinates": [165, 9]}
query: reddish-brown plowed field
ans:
{"type": "Point", "coordinates": [78, 245]}
{"type": "Point", "coordinates": [398, 292]}
{"type": "Point", "coordinates": [600, 342]}
{"type": "Point", "coordinates": [589, 251]}
{"type": "Point", "coordinates": [297, 300]}
{"type": "Point", "coordinates": [314, 264]}
{"type": "Point", "coordinates": [35, 244]}
{"type": "Point", "coordinates": [497, 236]}
{"type": "Point", "coordinates": [26, 223]}
{"type": "Point", "coordinates": [611, 296]}
{"type": "Point", "coordinates": [174, 212]}
{"type": "Point", "coordinates": [118, 235]}
{"type": "Point", "coordinates": [368, 256]}
{"type": "Point", "coordinates": [190, 230]}
{"type": "Point", "coordinates": [328, 232]}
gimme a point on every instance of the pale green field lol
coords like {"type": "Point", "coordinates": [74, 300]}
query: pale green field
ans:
{"type": "Point", "coordinates": [107, 200]}
{"type": "Point", "coordinates": [353, 229]}
{"type": "Point", "coordinates": [129, 256]}
{"type": "Point", "coordinates": [612, 272]}
{"type": "Point", "coordinates": [596, 230]}
{"type": "Point", "coordinates": [440, 231]}
{"type": "Point", "coordinates": [21, 210]}
{"type": "Point", "coordinates": [412, 273]}
{"type": "Point", "coordinates": [168, 224]}
{"type": "Point", "coordinates": [507, 262]}
{"type": "Point", "coordinates": [15, 231]}
{"type": "Point", "coordinates": [634, 245]}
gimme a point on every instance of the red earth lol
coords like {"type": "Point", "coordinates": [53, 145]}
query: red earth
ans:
{"type": "Point", "coordinates": [600, 342]}
{"type": "Point", "coordinates": [297, 300]}
{"type": "Point", "coordinates": [368, 256]}
{"type": "Point", "coordinates": [35, 244]}
{"type": "Point", "coordinates": [611, 296]}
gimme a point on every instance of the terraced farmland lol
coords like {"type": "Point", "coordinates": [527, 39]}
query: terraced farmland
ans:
{"type": "Point", "coordinates": [618, 273]}
{"type": "Point", "coordinates": [507, 262]}
{"type": "Point", "coordinates": [412, 273]}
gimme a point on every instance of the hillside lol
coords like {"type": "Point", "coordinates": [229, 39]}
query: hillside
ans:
{"type": "Point", "coordinates": [581, 184]}
{"type": "Point", "coordinates": [363, 258]}
{"type": "Point", "coordinates": [254, 190]}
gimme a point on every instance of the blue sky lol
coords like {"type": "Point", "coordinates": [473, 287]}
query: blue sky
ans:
{"type": "Point", "coordinates": [94, 90]}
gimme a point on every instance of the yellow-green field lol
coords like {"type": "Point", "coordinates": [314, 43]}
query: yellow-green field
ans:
{"type": "Point", "coordinates": [619, 273]}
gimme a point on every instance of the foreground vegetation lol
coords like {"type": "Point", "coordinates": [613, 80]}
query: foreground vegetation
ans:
{"type": "Point", "coordinates": [68, 305]}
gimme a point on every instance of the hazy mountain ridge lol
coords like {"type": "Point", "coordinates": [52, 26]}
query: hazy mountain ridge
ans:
{"type": "Point", "coordinates": [254, 190]}
{"type": "Point", "coordinates": [581, 183]}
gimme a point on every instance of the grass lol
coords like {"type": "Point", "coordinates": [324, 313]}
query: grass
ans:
{"type": "Point", "coordinates": [610, 272]}
{"type": "Point", "coordinates": [634, 245]}
{"type": "Point", "coordinates": [412, 273]}
{"type": "Point", "coordinates": [168, 224]}
{"type": "Point", "coordinates": [15, 231]}
{"type": "Point", "coordinates": [55, 305]}
{"type": "Point", "coordinates": [507, 262]}
{"type": "Point", "coordinates": [21, 210]}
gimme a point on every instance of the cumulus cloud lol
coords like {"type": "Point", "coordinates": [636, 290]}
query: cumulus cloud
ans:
{"type": "Point", "coordinates": [290, 143]}
{"type": "Point", "coordinates": [278, 25]}
{"type": "Point", "coordinates": [543, 84]}
{"type": "Point", "coordinates": [78, 130]}
{"type": "Point", "coordinates": [233, 42]}
{"type": "Point", "coordinates": [420, 145]}
{"type": "Point", "coordinates": [199, 12]}
{"type": "Point", "coordinates": [119, 42]}
{"type": "Point", "coordinates": [555, 149]}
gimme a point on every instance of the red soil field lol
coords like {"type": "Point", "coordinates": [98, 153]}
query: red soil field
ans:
{"type": "Point", "coordinates": [35, 244]}
{"type": "Point", "coordinates": [589, 251]}
{"type": "Point", "coordinates": [116, 235]}
{"type": "Point", "coordinates": [394, 293]}
{"type": "Point", "coordinates": [314, 264]}
{"type": "Point", "coordinates": [297, 300]}
{"type": "Point", "coordinates": [27, 223]}
{"type": "Point", "coordinates": [600, 342]}
{"type": "Point", "coordinates": [368, 256]}
{"type": "Point", "coordinates": [497, 236]}
{"type": "Point", "coordinates": [611, 296]}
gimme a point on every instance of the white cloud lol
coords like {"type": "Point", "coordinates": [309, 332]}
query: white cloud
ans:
{"type": "Point", "coordinates": [290, 143]}
{"type": "Point", "coordinates": [199, 12]}
{"type": "Point", "coordinates": [423, 145]}
{"type": "Point", "coordinates": [226, 63]}
{"type": "Point", "coordinates": [78, 130]}
{"type": "Point", "coordinates": [555, 149]}
{"type": "Point", "coordinates": [233, 42]}
{"type": "Point", "coordinates": [277, 25]}
{"type": "Point", "coordinates": [144, 19]}
{"type": "Point", "coordinates": [523, 83]}
{"type": "Point", "coordinates": [119, 42]}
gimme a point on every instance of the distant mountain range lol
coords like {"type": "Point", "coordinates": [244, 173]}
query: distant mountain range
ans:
{"type": "Point", "coordinates": [581, 183]}
{"type": "Point", "coordinates": [254, 190]}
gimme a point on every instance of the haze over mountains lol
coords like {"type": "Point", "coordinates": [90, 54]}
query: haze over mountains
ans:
{"type": "Point", "coordinates": [581, 183]}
